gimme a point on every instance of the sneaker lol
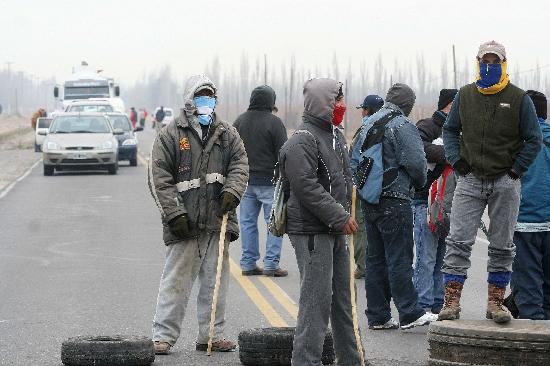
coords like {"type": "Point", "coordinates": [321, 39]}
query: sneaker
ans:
{"type": "Point", "coordinates": [223, 345]}
{"type": "Point", "coordinates": [162, 348]}
{"type": "Point", "coordinates": [279, 272]}
{"type": "Point", "coordinates": [425, 319]}
{"type": "Point", "coordinates": [390, 324]}
{"type": "Point", "coordinates": [253, 272]}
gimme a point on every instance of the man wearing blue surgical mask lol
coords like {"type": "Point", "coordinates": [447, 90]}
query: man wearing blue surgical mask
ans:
{"type": "Point", "coordinates": [198, 171]}
{"type": "Point", "coordinates": [491, 136]}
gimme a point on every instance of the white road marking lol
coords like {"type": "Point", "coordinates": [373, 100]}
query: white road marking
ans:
{"type": "Point", "coordinates": [23, 176]}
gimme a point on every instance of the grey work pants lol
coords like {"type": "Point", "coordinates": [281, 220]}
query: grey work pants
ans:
{"type": "Point", "coordinates": [323, 261]}
{"type": "Point", "coordinates": [472, 195]}
{"type": "Point", "coordinates": [185, 261]}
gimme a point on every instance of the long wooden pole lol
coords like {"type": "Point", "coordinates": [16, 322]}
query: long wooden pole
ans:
{"type": "Point", "coordinates": [221, 249]}
{"type": "Point", "coordinates": [352, 283]}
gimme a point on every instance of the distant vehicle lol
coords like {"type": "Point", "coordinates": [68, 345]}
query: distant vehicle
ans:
{"type": "Point", "coordinates": [42, 127]}
{"type": "Point", "coordinates": [127, 142]}
{"type": "Point", "coordinates": [80, 140]}
{"type": "Point", "coordinates": [168, 116]}
{"type": "Point", "coordinates": [86, 83]}
{"type": "Point", "coordinates": [90, 105]}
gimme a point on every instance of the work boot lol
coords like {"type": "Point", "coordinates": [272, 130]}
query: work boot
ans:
{"type": "Point", "coordinates": [451, 306]}
{"type": "Point", "coordinates": [495, 299]}
{"type": "Point", "coordinates": [256, 271]}
{"type": "Point", "coordinates": [279, 272]}
{"type": "Point", "coordinates": [162, 348]}
{"type": "Point", "coordinates": [223, 345]}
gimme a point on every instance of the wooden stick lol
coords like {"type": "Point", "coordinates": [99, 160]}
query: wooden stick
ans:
{"type": "Point", "coordinates": [352, 283]}
{"type": "Point", "coordinates": [221, 249]}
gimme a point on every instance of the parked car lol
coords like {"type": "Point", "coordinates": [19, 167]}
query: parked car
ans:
{"type": "Point", "coordinates": [42, 125]}
{"type": "Point", "coordinates": [90, 105]}
{"type": "Point", "coordinates": [81, 140]}
{"type": "Point", "coordinates": [127, 142]}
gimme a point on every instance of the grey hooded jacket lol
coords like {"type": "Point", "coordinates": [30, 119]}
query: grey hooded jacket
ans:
{"type": "Point", "coordinates": [315, 163]}
{"type": "Point", "coordinates": [187, 177]}
{"type": "Point", "coordinates": [404, 160]}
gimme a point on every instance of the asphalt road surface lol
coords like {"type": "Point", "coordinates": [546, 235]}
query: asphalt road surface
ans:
{"type": "Point", "coordinates": [82, 253]}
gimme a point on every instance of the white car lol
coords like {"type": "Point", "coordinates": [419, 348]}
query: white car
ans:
{"type": "Point", "coordinates": [90, 106]}
{"type": "Point", "coordinates": [42, 127]}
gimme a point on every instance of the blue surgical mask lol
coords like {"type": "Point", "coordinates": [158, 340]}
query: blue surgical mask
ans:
{"type": "Point", "coordinates": [490, 74]}
{"type": "Point", "coordinates": [205, 107]}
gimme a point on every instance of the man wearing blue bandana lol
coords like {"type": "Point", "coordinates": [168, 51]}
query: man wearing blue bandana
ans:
{"type": "Point", "coordinates": [198, 171]}
{"type": "Point", "coordinates": [491, 136]}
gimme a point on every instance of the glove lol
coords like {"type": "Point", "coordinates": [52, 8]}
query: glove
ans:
{"type": "Point", "coordinates": [229, 202]}
{"type": "Point", "coordinates": [179, 226]}
{"type": "Point", "coordinates": [462, 167]}
{"type": "Point", "coordinates": [512, 174]}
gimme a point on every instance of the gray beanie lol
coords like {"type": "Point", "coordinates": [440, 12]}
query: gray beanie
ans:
{"type": "Point", "coordinates": [402, 96]}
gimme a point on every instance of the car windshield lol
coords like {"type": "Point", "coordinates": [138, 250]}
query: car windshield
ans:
{"type": "Point", "coordinates": [121, 122]}
{"type": "Point", "coordinates": [44, 122]}
{"type": "Point", "coordinates": [167, 113]}
{"type": "Point", "coordinates": [80, 124]}
{"type": "Point", "coordinates": [87, 108]}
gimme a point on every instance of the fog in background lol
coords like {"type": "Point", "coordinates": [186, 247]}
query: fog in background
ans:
{"type": "Point", "coordinates": [150, 48]}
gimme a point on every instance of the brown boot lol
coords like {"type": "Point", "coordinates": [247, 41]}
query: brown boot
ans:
{"type": "Point", "coordinates": [495, 310]}
{"type": "Point", "coordinates": [451, 307]}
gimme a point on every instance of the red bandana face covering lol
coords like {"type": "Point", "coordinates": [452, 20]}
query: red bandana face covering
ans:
{"type": "Point", "coordinates": [338, 113]}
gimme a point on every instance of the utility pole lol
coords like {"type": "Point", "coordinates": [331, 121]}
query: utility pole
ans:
{"type": "Point", "coordinates": [9, 85]}
{"type": "Point", "coordinates": [265, 69]}
{"type": "Point", "coordinates": [454, 66]}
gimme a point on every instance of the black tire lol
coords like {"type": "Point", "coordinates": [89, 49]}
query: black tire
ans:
{"type": "Point", "coordinates": [467, 342]}
{"type": "Point", "coordinates": [37, 147]}
{"type": "Point", "coordinates": [273, 347]}
{"type": "Point", "coordinates": [113, 168]}
{"type": "Point", "coordinates": [48, 170]}
{"type": "Point", "coordinates": [133, 162]}
{"type": "Point", "coordinates": [117, 350]}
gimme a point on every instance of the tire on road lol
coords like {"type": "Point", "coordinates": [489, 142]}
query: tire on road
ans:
{"type": "Point", "coordinates": [474, 342]}
{"type": "Point", "coordinates": [119, 350]}
{"type": "Point", "coordinates": [113, 168]}
{"type": "Point", "coordinates": [133, 162]}
{"type": "Point", "coordinates": [48, 170]}
{"type": "Point", "coordinates": [273, 347]}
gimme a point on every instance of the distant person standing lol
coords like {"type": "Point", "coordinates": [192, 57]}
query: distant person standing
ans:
{"type": "Point", "coordinates": [370, 106]}
{"type": "Point", "coordinates": [141, 117]}
{"type": "Point", "coordinates": [159, 116]}
{"type": "Point", "coordinates": [531, 270]}
{"type": "Point", "coordinates": [491, 136]}
{"type": "Point", "coordinates": [39, 113]}
{"type": "Point", "coordinates": [133, 117]}
{"type": "Point", "coordinates": [263, 135]}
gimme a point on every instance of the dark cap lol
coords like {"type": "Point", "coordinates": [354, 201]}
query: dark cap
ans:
{"type": "Point", "coordinates": [446, 96]}
{"type": "Point", "coordinates": [373, 102]}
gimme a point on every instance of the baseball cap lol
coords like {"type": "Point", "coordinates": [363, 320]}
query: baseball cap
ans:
{"type": "Point", "coordinates": [492, 47]}
{"type": "Point", "coordinates": [373, 101]}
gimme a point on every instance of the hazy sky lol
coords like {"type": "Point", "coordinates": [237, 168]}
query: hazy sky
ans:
{"type": "Point", "coordinates": [130, 38]}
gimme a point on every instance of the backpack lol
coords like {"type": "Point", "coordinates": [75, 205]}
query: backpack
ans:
{"type": "Point", "coordinates": [439, 202]}
{"type": "Point", "coordinates": [369, 174]}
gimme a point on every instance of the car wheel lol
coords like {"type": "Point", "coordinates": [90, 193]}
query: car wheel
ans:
{"type": "Point", "coordinates": [113, 168]}
{"type": "Point", "coordinates": [48, 170]}
{"type": "Point", "coordinates": [273, 347]}
{"type": "Point", "coordinates": [37, 147]}
{"type": "Point", "coordinates": [133, 162]}
{"type": "Point", "coordinates": [107, 351]}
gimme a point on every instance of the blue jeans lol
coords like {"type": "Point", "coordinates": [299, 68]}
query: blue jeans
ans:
{"type": "Point", "coordinates": [389, 262]}
{"type": "Point", "coordinates": [254, 198]}
{"type": "Point", "coordinates": [531, 275]}
{"type": "Point", "coordinates": [430, 250]}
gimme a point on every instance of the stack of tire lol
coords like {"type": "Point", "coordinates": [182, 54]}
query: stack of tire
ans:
{"type": "Point", "coordinates": [273, 347]}
{"type": "Point", "coordinates": [483, 342]}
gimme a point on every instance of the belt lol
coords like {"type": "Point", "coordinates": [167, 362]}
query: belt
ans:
{"type": "Point", "coordinates": [196, 183]}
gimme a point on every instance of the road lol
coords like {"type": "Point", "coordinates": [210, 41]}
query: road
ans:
{"type": "Point", "coordinates": [81, 253]}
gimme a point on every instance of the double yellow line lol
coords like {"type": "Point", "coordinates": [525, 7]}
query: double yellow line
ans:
{"type": "Point", "coordinates": [272, 316]}
{"type": "Point", "coordinates": [260, 301]}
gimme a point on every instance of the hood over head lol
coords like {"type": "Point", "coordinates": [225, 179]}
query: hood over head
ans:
{"type": "Point", "coordinates": [262, 98]}
{"type": "Point", "coordinates": [320, 96]}
{"type": "Point", "coordinates": [194, 84]}
{"type": "Point", "coordinates": [402, 96]}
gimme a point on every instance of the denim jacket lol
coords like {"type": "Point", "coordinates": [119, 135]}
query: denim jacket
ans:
{"type": "Point", "coordinates": [405, 165]}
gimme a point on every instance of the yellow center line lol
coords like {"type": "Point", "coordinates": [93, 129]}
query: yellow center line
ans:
{"type": "Point", "coordinates": [282, 297]}
{"type": "Point", "coordinates": [261, 303]}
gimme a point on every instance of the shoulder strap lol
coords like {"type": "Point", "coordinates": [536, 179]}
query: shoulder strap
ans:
{"type": "Point", "coordinates": [376, 131]}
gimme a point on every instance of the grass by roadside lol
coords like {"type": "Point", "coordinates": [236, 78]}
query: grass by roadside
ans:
{"type": "Point", "coordinates": [15, 133]}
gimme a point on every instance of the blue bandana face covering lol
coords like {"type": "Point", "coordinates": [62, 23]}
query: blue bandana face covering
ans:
{"type": "Point", "coordinates": [490, 74]}
{"type": "Point", "coordinates": [205, 107]}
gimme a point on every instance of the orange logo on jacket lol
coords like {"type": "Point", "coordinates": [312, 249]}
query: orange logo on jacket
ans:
{"type": "Point", "coordinates": [184, 144]}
